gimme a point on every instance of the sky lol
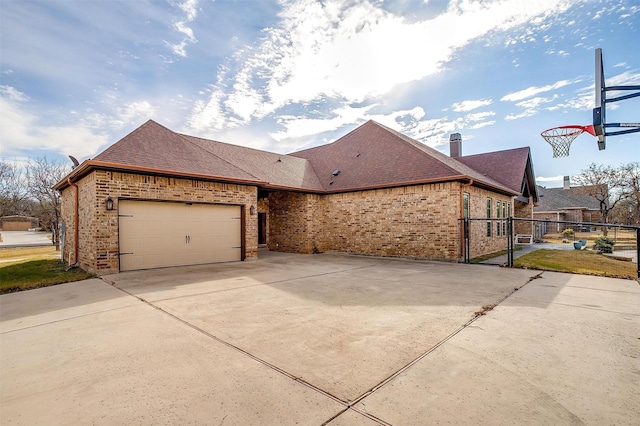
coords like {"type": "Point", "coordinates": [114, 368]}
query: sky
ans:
{"type": "Point", "coordinates": [77, 76]}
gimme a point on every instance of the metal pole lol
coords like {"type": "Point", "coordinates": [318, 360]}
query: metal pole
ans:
{"type": "Point", "coordinates": [638, 250]}
{"type": "Point", "coordinates": [467, 246]}
{"type": "Point", "coordinates": [510, 243]}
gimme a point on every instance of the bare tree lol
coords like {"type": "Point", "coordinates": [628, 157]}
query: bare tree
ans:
{"type": "Point", "coordinates": [628, 211]}
{"type": "Point", "coordinates": [41, 175]}
{"type": "Point", "coordinates": [13, 189]}
{"type": "Point", "coordinates": [608, 185]}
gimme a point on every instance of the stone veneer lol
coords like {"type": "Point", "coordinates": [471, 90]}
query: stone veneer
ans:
{"type": "Point", "coordinates": [412, 221]}
{"type": "Point", "coordinates": [98, 228]}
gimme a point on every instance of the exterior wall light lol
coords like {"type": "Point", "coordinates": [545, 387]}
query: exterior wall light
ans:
{"type": "Point", "coordinates": [252, 210]}
{"type": "Point", "coordinates": [109, 204]}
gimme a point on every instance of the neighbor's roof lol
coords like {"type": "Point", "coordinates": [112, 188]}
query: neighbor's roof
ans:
{"type": "Point", "coordinates": [375, 156]}
{"type": "Point", "coordinates": [371, 156]}
{"type": "Point", "coordinates": [512, 167]}
{"type": "Point", "coordinates": [557, 199]}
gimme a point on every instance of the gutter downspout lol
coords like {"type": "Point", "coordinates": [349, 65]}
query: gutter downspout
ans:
{"type": "Point", "coordinates": [462, 188]}
{"type": "Point", "coordinates": [76, 220]}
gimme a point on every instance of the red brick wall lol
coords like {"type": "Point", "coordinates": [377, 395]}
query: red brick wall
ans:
{"type": "Point", "coordinates": [293, 222]}
{"type": "Point", "coordinates": [416, 221]}
{"type": "Point", "coordinates": [98, 248]}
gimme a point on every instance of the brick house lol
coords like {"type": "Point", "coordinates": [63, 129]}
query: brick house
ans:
{"type": "Point", "coordinates": [570, 204]}
{"type": "Point", "coordinates": [157, 198]}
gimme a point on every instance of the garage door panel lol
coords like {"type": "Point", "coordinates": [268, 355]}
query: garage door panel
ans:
{"type": "Point", "coordinates": [157, 234]}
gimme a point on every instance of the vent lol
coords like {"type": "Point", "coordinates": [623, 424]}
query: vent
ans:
{"type": "Point", "coordinates": [336, 172]}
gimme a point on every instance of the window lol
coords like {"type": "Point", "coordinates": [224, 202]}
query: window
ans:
{"type": "Point", "coordinates": [488, 217]}
{"type": "Point", "coordinates": [498, 216]}
{"type": "Point", "coordinates": [465, 204]}
{"type": "Point", "coordinates": [504, 214]}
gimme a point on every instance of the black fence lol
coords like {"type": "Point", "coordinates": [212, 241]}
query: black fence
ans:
{"type": "Point", "coordinates": [579, 247]}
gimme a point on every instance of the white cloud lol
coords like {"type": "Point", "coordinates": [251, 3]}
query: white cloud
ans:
{"type": "Point", "coordinates": [584, 99]}
{"type": "Point", "coordinates": [13, 93]}
{"type": "Point", "coordinates": [481, 125]}
{"type": "Point", "coordinates": [549, 178]}
{"type": "Point", "coordinates": [300, 126]}
{"type": "Point", "coordinates": [350, 52]}
{"type": "Point", "coordinates": [526, 113]}
{"type": "Point", "coordinates": [21, 132]}
{"type": "Point", "coordinates": [533, 90]}
{"type": "Point", "coordinates": [132, 112]}
{"type": "Point", "coordinates": [190, 7]}
{"type": "Point", "coordinates": [479, 116]}
{"type": "Point", "coordinates": [470, 105]}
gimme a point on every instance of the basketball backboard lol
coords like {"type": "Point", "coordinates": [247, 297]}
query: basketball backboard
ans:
{"type": "Point", "coordinates": [601, 126]}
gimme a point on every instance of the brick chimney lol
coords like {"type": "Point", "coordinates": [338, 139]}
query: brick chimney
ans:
{"type": "Point", "coordinates": [566, 184]}
{"type": "Point", "coordinates": [455, 145]}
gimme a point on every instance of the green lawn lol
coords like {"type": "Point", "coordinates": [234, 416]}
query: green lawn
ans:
{"type": "Point", "coordinates": [577, 262]}
{"type": "Point", "coordinates": [30, 274]}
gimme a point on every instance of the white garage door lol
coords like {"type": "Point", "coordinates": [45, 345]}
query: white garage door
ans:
{"type": "Point", "coordinates": [156, 234]}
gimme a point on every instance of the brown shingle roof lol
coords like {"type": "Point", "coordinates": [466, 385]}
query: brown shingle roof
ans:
{"type": "Point", "coordinates": [374, 155]}
{"type": "Point", "coordinates": [557, 199]}
{"type": "Point", "coordinates": [278, 170]}
{"type": "Point", "coordinates": [155, 147]}
{"type": "Point", "coordinates": [509, 167]}
{"type": "Point", "coordinates": [371, 156]}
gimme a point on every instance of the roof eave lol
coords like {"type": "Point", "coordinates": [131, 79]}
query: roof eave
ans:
{"type": "Point", "coordinates": [422, 182]}
{"type": "Point", "coordinates": [89, 165]}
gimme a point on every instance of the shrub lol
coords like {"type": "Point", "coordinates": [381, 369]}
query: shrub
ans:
{"type": "Point", "coordinates": [567, 233]}
{"type": "Point", "coordinates": [604, 244]}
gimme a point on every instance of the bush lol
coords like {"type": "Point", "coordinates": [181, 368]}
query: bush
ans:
{"type": "Point", "coordinates": [567, 233]}
{"type": "Point", "coordinates": [604, 244]}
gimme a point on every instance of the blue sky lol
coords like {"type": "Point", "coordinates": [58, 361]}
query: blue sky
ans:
{"type": "Point", "coordinates": [76, 76]}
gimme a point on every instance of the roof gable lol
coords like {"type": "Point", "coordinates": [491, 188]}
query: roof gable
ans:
{"type": "Point", "coordinates": [512, 167]}
{"type": "Point", "coordinates": [155, 147]}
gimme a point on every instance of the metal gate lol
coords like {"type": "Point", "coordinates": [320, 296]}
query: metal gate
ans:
{"type": "Point", "coordinates": [512, 242]}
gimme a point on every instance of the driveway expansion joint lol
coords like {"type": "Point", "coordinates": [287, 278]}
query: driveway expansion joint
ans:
{"type": "Point", "coordinates": [238, 349]}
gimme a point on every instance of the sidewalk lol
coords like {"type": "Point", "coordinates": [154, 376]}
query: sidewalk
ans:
{"type": "Point", "coordinates": [12, 239]}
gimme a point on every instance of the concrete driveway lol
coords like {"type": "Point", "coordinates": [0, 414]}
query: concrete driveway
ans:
{"type": "Point", "coordinates": [323, 339]}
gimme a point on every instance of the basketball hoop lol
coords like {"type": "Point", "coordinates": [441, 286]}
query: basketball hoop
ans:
{"type": "Point", "coordinates": [560, 138]}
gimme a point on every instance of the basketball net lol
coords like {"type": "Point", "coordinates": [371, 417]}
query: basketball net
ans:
{"type": "Point", "coordinates": [560, 138]}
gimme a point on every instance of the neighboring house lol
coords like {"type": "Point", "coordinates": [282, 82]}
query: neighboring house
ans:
{"type": "Point", "coordinates": [571, 204]}
{"type": "Point", "coordinates": [158, 198]}
{"type": "Point", "coordinates": [18, 223]}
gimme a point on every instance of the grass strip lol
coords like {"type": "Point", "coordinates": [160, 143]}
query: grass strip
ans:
{"type": "Point", "coordinates": [577, 262]}
{"type": "Point", "coordinates": [37, 273]}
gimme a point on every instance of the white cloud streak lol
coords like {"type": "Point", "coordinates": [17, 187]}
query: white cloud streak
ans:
{"type": "Point", "coordinates": [190, 8]}
{"type": "Point", "coordinates": [470, 105]}
{"type": "Point", "coordinates": [533, 90]}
